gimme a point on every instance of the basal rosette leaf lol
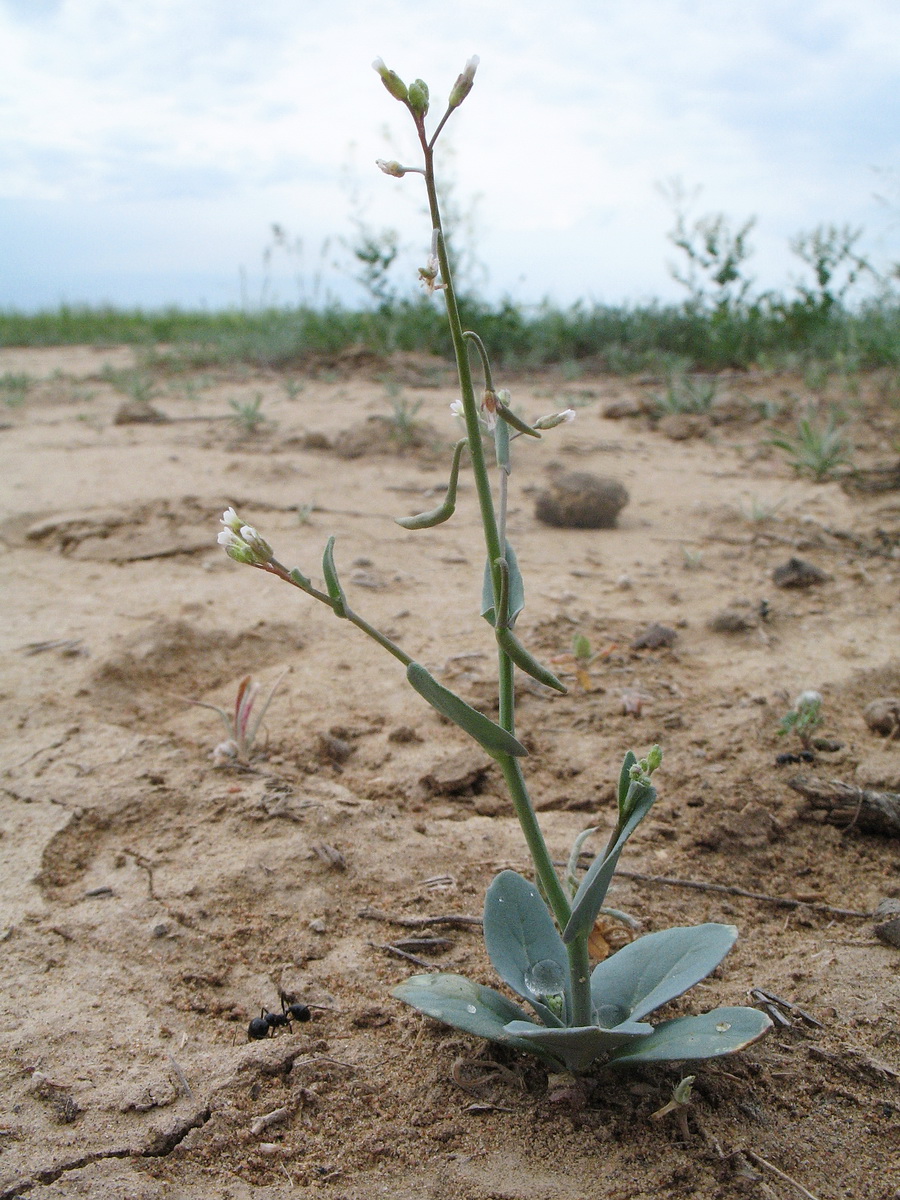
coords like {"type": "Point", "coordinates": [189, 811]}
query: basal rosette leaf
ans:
{"type": "Point", "coordinates": [656, 968]}
{"type": "Point", "coordinates": [579, 1047]}
{"type": "Point", "coordinates": [722, 1031]}
{"type": "Point", "coordinates": [521, 940]}
{"type": "Point", "coordinates": [471, 1007]}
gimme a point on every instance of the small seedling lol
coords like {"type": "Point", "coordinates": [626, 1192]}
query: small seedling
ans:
{"type": "Point", "coordinates": [240, 726]}
{"type": "Point", "coordinates": [758, 511]}
{"type": "Point", "coordinates": [581, 658]}
{"type": "Point", "coordinates": [14, 388]}
{"type": "Point", "coordinates": [685, 394]}
{"type": "Point", "coordinates": [692, 560]}
{"type": "Point", "coordinates": [403, 419]}
{"type": "Point", "coordinates": [537, 930]}
{"type": "Point", "coordinates": [247, 414]}
{"type": "Point", "coordinates": [681, 1098]}
{"type": "Point", "coordinates": [816, 450]}
{"type": "Point", "coordinates": [803, 719]}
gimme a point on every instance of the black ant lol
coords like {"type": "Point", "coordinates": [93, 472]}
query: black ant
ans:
{"type": "Point", "coordinates": [267, 1022]}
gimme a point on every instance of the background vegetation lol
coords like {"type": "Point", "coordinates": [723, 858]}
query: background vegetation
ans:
{"type": "Point", "coordinates": [841, 311]}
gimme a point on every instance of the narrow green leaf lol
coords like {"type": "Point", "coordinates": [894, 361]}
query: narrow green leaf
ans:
{"type": "Point", "coordinates": [658, 967]}
{"type": "Point", "coordinates": [722, 1031]}
{"type": "Point", "coordinates": [525, 661]}
{"type": "Point", "coordinates": [494, 739]}
{"type": "Point", "coordinates": [332, 583]}
{"type": "Point", "coordinates": [516, 588]}
{"type": "Point", "coordinates": [590, 896]}
{"type": "Point", "coordinates": [519, 934]}
{"type": "Point", "coordinates": [427, 520]}
{"type": "Point", "coordinates": [444, 511]}
{"type": "Point", "coordinates": [511, 418]}
{"type": "Point", "coordinates": [625, 777]}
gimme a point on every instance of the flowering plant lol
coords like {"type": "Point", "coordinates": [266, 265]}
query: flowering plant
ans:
{"type": "Point", "coordinates": [536, 932]}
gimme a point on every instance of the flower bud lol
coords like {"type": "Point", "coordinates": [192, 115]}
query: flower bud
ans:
{"type": "Point", "coordinates": [260, 548]}
{"type": "Point", "coordinates": [392, 81]}
{"type": "Point", "coordinates": [808, 700]}
{"type": "Point", "coordinates": [418, 97]}
{"type": "Point", "coordinates": [560, 418]}
{"type": "Point", "coordinates": [464, 82]}
{"type": "Point", "coordinates": [235, 547]}
{"type": "Point", "coordinates": [390, 167]}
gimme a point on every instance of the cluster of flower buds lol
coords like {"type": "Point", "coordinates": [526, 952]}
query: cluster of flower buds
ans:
{"type": "Point", "coordinates": [644, 767]}
{"type": "Point", "coordinates": [415, 97]}
{"type": "Point", "coordinates": [242, 542]}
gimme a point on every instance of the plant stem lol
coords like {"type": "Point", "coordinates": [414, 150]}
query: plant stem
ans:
{"type": "Point", "coordinates": [580, 979]}
{"type": "Point", "coordinates": [495, 542]}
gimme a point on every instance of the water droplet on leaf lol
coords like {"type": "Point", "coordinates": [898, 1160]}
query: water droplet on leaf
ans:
{"type": "Point", "coordinates": [545, 979]}
{"type": "Point", "coordinates": [470, 1008]}
{"type": "Point", "coordinates": [611, 1015]}
{"type": "Point", "coordinates": [723, 1027]}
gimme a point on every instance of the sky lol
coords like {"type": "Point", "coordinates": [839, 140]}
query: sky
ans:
{"type": "Point", "coordinates": [147, 149]}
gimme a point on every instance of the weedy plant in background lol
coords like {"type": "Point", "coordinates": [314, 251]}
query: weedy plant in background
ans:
{"type": "Point", "coordinates": [536, 930]}
{"type": "Point", "coordinates": [817, 450]}
{"type": "Point", "coordinates": [248, 414]}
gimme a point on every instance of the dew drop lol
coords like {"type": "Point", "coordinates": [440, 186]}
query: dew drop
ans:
{"type": "Point", "coordinates": [611, 1015]}
{"type": "Point", "coordinates": [470, 1008]}
{"type": "Point", "coordinates": [545, 978]}
{"type": "Point", "coordinates": [723, 1027]}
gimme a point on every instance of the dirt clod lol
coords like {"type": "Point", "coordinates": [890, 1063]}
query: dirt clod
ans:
{"type": "Point", "coordinates": [580, 500]}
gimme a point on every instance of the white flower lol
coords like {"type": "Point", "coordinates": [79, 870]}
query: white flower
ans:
{"type": "Point", "coordinates": [457, 409]}
{"type": "Point", "coordinates": [807, 700]}
{"type": "Point", "coordinates": [228, 538]}
{"type": "Point", "coordinates": [489, 407]}
{"type": "Point", "coordinates": [390, 167]}
{"type": "Point", "coordinates": [231, 520]}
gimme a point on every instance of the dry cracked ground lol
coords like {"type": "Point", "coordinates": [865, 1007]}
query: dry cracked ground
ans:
{"type": "Point", "coordinates": [154, 899]}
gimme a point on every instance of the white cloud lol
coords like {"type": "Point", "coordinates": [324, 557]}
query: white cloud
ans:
{"type": "Point", "coordinates": [580, 107]}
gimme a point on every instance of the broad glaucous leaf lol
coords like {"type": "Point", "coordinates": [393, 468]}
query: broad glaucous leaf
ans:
{"type": "Point", "coordinates": [469, 1006]}
{"type": "Point", "coordinates": [524, 945]}
{"type": "Point", "coordinates": [722, 1031]}
{"type": "Point", "coordinates": [580, 1046]}
{"type": "Point", "coordinates": [656, 968]}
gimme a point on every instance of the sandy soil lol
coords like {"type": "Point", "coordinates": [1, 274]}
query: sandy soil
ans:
{"type": "Point", "coordinates": [152, 903]}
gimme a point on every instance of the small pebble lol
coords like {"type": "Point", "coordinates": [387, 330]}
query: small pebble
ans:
{"type": "Point", "coordinates": [797, 573]}
{"type": "Point", "coordinates": [883, 716]}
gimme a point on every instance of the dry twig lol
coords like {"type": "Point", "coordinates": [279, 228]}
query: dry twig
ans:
{"type": "Point", "coordinates": [457, 920]}
{"type": "Point", "coordinates": [727, 890]}
{"type": "Point", "coordinates": [764, 1162]}
{"type": "Point", "coordinates": [849, 806]}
